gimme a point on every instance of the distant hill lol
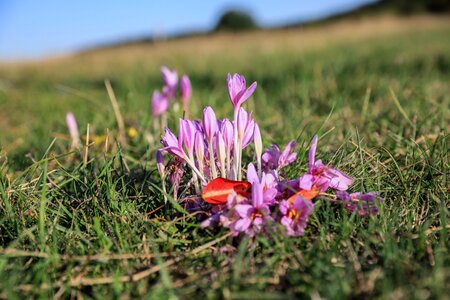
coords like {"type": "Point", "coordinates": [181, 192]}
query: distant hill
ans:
{"type": "Point", "coordinates": [397, 7]}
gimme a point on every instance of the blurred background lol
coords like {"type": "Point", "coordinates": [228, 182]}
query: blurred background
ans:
{"type": "Point", "coordinates": [308, 57]}
{"type": "Point", "coordinates": [31, 30]}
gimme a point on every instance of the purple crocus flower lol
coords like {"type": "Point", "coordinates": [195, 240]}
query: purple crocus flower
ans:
{"type": "Point", "coordinates": [250, 218]}
{"type": "Point", "coordinates": [188, 130]}
{"type": "Point", "coordinates": [172, 144]}
{"type": "Point", "coordinates": [238, 91]}
{"type": "Point", "coordinates": [245, 127]}
{"type": "Point", "coordinates": [161, 169]}
{"type": "Point", "coordinates": [320, 176]}
{"type": "Point", "coordinates": [210, 126]}
{"type": "Point", "coordinates": [73, 130]}
{"type": "Point", "coordinates": [267, 181]}
{"type": "Point", "coordinates": [227, 132]}
{"type": "Point", "coordinates": [275, 159]}
{"type": "Point", "coordinates": [175, 173]}
{"type": "Point", "coordinates": [185, 90]}
{"type": "Point", "coordinates": [295, 216]}
{"type": "Point", "coordinates": [200, 151]}
{"type": "Point", "coordinates": [170, 80]}
{"type": "Point", "coordinates": [363, 204]}
{"type": "Point", "coordinates": [160, 163]}
{"type": "Point", "coordinates": [160, 103]}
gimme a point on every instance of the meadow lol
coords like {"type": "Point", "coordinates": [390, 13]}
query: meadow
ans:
{"type": "Point", "coordinates": [88, 223]}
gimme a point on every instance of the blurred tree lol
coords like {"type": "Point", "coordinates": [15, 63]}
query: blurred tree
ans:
{"type": "Point", "coordinates": [412, 6]}
{"type": "Point", "coordinates": [234, 20]}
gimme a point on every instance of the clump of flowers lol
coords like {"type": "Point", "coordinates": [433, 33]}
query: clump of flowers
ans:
{"type": "Point", "coordinates": [211, 149]}
{"type": "Point", "coordinates": [160, 100]}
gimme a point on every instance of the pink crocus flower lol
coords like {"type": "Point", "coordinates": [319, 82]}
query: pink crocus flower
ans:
{"type": "Point", "coordinates": [210, 126]}
{"type": "Point", "coordinates": [321, 176]}
{"type": "Point", "coordinates": [267, 181]}
{"type": "Point", "coordinates": [252, 218]}
{"type": "Point", "coordinates": [175, 174]}
{"type": "Point", "coordinates": [160, 163]}
{"type": "Point", "coordinates": [73, 130]}
{"type": "Point", "coordinates": [238, 91]}
{"type": "Point", "coordinates": [295, 215]}
{"type": "Point", "coordinates": [172, 144]}
{"type": "Point", "coordinates": [200, 151]}
{"type": "Point", "coordinates": [363, 204]}
{"type": "Point", "coordinates": [160, 103]}
{"type": "Point", "coordinates": [275, 159]}
{"type": "Point", "coordinates": [170, 80]}
{"type": "Point", "coordinates": [185, 90]}
{"type": "Point", "coordinates": [226, 128]}
{"type": "Point", "coordinates": [161, 169]}
{"type": "Point", "coordinates": [245, 127]}
{"type": "Point", "coordinates": [188, 130]}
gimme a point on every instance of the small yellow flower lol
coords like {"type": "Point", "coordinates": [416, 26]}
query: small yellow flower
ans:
{"type": "Point", "coordinates": [132, 132]}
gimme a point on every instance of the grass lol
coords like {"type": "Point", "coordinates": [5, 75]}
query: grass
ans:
{"type": "Point", "coordinates": [378, 96]}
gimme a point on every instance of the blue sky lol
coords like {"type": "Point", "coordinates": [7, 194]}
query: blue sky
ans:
{"type": "Point", "coordinates": [39, 28]}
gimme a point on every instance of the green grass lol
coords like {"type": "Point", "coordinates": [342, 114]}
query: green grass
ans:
{"type": "Point", "coordinates": [380, 105]}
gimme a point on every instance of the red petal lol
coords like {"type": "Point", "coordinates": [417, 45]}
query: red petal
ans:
{"type": "Point", "coordinates": [217, 190]}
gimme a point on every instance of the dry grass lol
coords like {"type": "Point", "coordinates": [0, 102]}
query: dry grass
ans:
{"type": "Point", "coordinates": [201, 50]}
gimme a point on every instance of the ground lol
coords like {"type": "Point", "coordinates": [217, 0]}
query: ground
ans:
{"type": "Point", "coordinates": [82, 223]}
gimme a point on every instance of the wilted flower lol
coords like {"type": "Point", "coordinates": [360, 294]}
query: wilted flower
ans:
{"type": "Point", "coordinates": [275, 159]}
{"type": "Point", "coordinates": [295, 215]}
{"type": "Point", "coordinates": [175, 171]}
{"type": "Point", "coordinates": [363, 204]}
{"type": "Point", "coordinates": [321, 176]}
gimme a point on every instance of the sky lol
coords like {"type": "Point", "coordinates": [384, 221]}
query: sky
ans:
{"type": "Point", "coordinates": [32, 29]}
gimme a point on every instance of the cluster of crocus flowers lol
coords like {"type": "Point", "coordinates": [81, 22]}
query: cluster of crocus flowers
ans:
{"type": "Point", "coordinates": [212, 149]}
{"type": "Point", "coordinates": [161, 99]}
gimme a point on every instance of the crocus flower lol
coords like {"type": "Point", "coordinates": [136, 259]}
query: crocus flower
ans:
{"type": "Point", "coordinates": [221, 153]}
{"type": "Point", "coordinates": [267, 181]}
{"type": "Point", "coordinates": [161, 170]}
{"type": "Point", "coordinates": [251, 218]}
{"type": "Point", "coordinates": [172, 144]}
{"type": "Point", "coordinates": [170, 80]}
{"type": "Point", "coordinates": [210, 128]}
{"type": "Point", "coordinates": [175, 172]}
{"type": "Point", "coordinates": [200, 151]}
{"type": "Point", "coordinates": [226, 128]}
{"type": "Point", "coordinates": [363, 204]}
{"type": "Point", "coordinates": [160, 163]}
{"type": "Point", "coordinates": [185, 91]}
{"type": "Point", "coordinates": [295, 215]}
{"type": "Point", "coordinates": [321, 176]}
{"type": "Point", "coordinates": [258, 146]}
{"type": "Point", "coordinates": [188, 130]}
{"type": "Point", "coordinates": [73, 130]}
{"type": "Point", "coordinates": [238, 91]}
{"type": "Point", "coordinates": [275, 159]}
{"type": "Point", "coordinates": [160, 103]}
{"type": "Point", "coordinates": [209, 123]}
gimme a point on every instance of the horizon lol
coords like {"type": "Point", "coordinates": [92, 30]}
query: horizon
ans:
{"type": "Point", "coordinates": [35, 30]}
